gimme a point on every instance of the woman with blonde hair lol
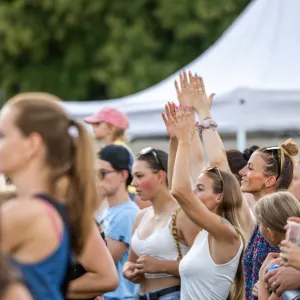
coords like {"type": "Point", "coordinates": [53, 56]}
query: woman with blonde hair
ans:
{"type": "Point", "coordinates": [272, 212]}
{"type": "Point", "coordinates": [269, 169]}
{"type": "Point", "coordinates": [41, 146]}
{"type": "Point", "coordinates": [215, 205]}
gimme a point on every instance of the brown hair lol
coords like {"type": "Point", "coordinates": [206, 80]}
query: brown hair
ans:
{"type": "Point", "coordinates": [70, 155]}
{"type": "Point", "coordinates": [230, 208]}
{"type": "Point", "coordinates": [273, 210]}
{"type": "Point", "coordinates": [120, 134]}
{"type": "Point", "coordinates": [280, 163]}
{"type": "Point", "coordinates": [237, 160]}
{"type": "Point", "coordinates": [162, 158]}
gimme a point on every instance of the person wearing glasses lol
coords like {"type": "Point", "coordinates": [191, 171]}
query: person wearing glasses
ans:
{"type": "Point", "coordinates": [268, 170]}
{"type": "Point", "coordinates": [114, 176]}
{"type": "Point", "coordinates": [162, 234]}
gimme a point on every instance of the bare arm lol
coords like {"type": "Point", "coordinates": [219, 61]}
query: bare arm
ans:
{"type": "Point", "coordinates": [215, 150]}
{"type": "Point", "coordinates": [191, 205]}
{"type": "Point", "coordinates": [171, 159]}
{"type": "Point", "coordinates": [101, 273]}
{"type": "Point", "coordinates": [16, 291]}
{"type": "Point", "coordinates": [197, 161]}
{"type": "Point", "coordinates": [116, 248]}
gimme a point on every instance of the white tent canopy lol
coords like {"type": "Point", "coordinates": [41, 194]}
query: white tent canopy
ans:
{"type": "Point", "coordinates": [257, 59]}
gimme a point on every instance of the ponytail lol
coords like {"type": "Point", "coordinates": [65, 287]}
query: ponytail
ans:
{"type": "Point", "coordinates": [81, 194]}
{"type": "Point", "coordinates": [70, 155]}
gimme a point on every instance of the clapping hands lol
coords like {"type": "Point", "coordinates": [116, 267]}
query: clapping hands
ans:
{"type": "Point", "coordinates": [191, 92]}
{"type": "Point", "coordinates": [178, 122]}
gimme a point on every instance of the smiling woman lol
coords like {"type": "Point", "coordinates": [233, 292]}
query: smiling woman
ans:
{"type": "Point", "coordinates": [269, 169]}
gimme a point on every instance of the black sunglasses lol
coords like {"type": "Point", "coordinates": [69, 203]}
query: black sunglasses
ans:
{"type": "Point", "coordinates": [151, 151]}
{"type": "Point", "coordinates": [277, 156]}
{"type": "Point", "coordinates": [103, 172]}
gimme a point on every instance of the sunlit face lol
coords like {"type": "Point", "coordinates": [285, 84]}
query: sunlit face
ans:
{"type": "Point", "coordinates": [102, 130]}
{"type": "Point", "coordinates": [15, 149]}
{"type": "Point", "coordinates": [146, 182]}
{"type": "Point", "coordinates": [253, 178]}
{"type": "Point", "coordinates": [204, 192]}
{"type": "Point", "coordinates": [295, 185]}
{"type": "Point", "coordinates": [109, 181]}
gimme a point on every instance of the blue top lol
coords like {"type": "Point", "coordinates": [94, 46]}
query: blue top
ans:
{"type": "Point", "coordinates": [256, 253]}
{"type": "Point", "coordinates": [118, 226]}
{"type": "Point", "coordinates": [45, 279]}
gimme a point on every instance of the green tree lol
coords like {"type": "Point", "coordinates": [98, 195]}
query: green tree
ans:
{"type": "Point", "coordinates": [91, 49]}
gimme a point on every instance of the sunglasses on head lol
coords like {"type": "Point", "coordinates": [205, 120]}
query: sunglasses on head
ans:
{"type": "Point", "coordinates": [277, 157]}
{"type": "Point", "coordinates": [151, 151]}
{"type": "Point", "coordinates": [210, 169]}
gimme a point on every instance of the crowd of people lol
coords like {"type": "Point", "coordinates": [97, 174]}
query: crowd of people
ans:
{"type": "Point", "coordinates": [86, 221]}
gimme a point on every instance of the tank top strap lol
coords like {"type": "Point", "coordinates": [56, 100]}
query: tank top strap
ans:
{"type": "Point", "coordinates": [51, 215]}
{"type": "Point", "coordinates": [62, 210]}
{"type": "Point", "coordinates": [144, 216]}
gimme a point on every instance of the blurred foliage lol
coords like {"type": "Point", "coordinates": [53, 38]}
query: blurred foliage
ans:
{"type": "Point", "coordinates": [91, 49]}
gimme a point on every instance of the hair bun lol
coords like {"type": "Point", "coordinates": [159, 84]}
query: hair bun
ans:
{"type": "Point", "coordinates": [248, 152]}
{"type": "Point", "coordinates": [291, 147]}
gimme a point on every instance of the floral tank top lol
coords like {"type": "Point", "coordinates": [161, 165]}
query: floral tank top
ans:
{"type": "Point", "coordinates": [256, 252]}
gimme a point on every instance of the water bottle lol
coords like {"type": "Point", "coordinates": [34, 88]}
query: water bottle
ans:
{"type": "Point", "coordinates": [287, 295]}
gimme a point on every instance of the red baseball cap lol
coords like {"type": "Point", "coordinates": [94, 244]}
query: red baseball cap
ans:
{"type": "Point", "coordinates": [109, 115]}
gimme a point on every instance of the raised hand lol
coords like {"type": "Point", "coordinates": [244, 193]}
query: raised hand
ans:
{"type": "Point", "coordinates": [170, 109]}
{"type": "Point", "coordinates": [183, 125]}
{"type": "Point", "coordinates": [191, 92]}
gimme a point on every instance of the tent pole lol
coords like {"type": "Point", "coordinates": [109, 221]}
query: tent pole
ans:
{"type": "Point", "coordinates": [241, 135]}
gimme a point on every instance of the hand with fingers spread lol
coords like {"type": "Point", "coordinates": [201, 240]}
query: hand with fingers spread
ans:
{"type": "Point", "coordinates": [191, 92]}
{"type": "Point", "coordinates": [292, 253]}
{"type": "Point", "coordinates": [183, 125]}
{"type": "Point", "coordinates": [170, 109]}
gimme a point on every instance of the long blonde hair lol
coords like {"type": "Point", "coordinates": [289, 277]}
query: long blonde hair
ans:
{"type": "Point", "coordinates": [230, 208]}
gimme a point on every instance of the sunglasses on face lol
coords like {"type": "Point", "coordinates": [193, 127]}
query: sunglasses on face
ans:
{"type": "Point", "coordinates": [103, 172]}
{"type": "Point", "coordinates": [277, 151]}
{"type": "Point", "coordinates": [151, 151]}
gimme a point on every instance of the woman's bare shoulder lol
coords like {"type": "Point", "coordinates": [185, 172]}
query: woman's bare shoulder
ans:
{"type": "Point", "coordinates": [16, 291]}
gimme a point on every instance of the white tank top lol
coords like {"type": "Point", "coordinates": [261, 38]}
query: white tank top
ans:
{"type": "Point", "coordinates": [201, 278]}
{"type": "Point", "coordinates": [160, 244]}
